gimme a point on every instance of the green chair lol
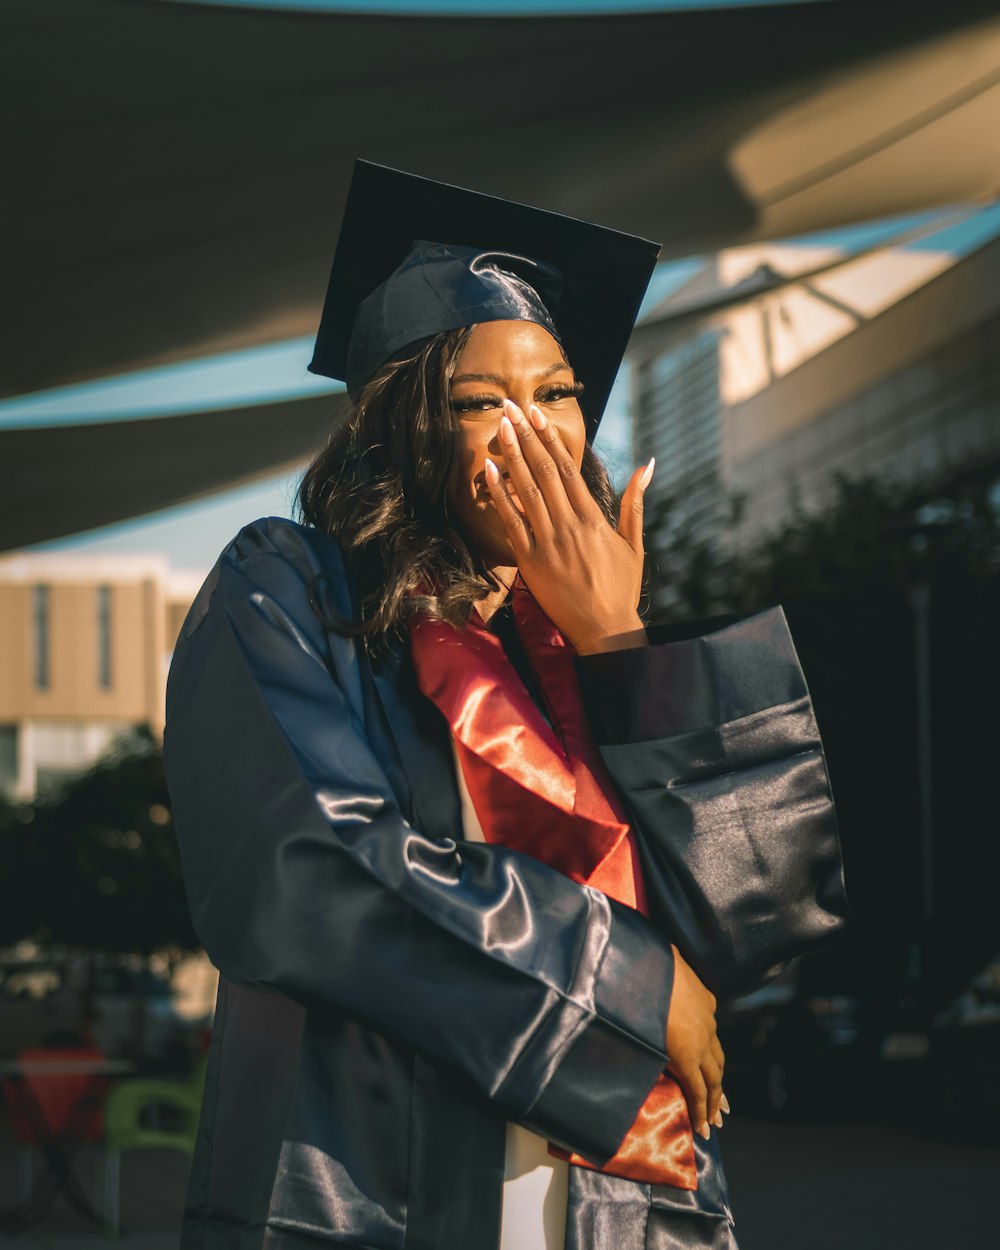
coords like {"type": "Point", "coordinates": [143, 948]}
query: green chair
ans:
{"type": "Point", "coordinates": [124, 1128]}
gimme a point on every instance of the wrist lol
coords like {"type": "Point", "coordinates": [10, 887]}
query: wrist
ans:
{"type": "Point", "coordinates": [621, 636]}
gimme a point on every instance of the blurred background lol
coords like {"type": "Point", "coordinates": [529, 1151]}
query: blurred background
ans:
{"type": "Point", "coordinates": [816, 369]}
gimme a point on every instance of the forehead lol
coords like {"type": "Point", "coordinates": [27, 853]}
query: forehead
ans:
{"type": "Point", "coordinates": [509, 347]}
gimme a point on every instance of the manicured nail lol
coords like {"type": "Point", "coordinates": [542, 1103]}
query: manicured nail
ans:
{"type": "Point", "coordinates": [718, 1119]}
{"type": "Point", "coordinates": [705, 1131]}
{"type": "Point", "coordinates": [507, 430]}
{"type": "Point", "coordinates": [647, 474]}
{"type": "Point", "coordinates": [492, 472]}
{"type": "Point", "coordinates": [724, 1104]}
{"type": "Point", "coordinates": [537, 417]}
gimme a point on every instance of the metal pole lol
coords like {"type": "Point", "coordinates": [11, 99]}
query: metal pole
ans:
{"type": "Point", "coordinates": [920, 601]}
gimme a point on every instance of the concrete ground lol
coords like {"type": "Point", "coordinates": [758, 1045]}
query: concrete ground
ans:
{"type": "Point", "coordinates": [152, 1195]}
{"type": "Point", "coordinates": [858, 1187]}
{"type": "Point", "coordinates": [794, 1187]}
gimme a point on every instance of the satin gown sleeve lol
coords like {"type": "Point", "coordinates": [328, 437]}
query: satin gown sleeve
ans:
{"type": "Point", "coordinates": [305, 876]}
{"type": "Point", "coordinates": [709, 734]}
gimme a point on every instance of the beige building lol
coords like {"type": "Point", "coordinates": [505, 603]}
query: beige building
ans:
{"type": "Point", "coordinates": [86, 645]}
{"type": "Point", "coordinates": [777, 366]}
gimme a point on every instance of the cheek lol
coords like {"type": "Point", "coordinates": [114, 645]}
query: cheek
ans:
{"type": "Point", "coordinates": [470, 450]}
{"type": "Point", "coordinates": [574, 438]}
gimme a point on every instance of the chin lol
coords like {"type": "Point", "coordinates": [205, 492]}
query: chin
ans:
{"type": "Point", "coordinates": [493, 549]}
{"type": "Point", "coordinates": [485, 536]}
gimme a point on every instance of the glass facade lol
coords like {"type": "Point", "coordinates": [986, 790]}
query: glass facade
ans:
{"type": "Point", "coordinates": [934, 419]}
{"type": "Point", "coordinates": [679, 421]}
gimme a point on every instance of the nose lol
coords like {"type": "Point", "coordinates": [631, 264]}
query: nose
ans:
{"type": "Point", "coordinates": [565, 422]}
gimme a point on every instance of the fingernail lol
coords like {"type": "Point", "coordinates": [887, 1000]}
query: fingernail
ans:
{"type": "Point", "coordinates": [512, 410]}
{"type": "Point", "coordinates": [492, 472]}
{"type": "Point", "coordinates": [705, 1131]}
{"type": "Point", "coordinates": [647, 474]}
{"type": "Point", "coordinates": [537, 417]}
{"type": "Point", "coordinates": [718, 1119]}
{"type": "Point", "coordinates": [507, 430]}
{"type": "Point", "coordinates": [724, 1104]}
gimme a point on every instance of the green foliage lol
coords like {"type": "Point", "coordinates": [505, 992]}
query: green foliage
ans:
{"type": "Point", "coordinates": [859, 581]}
{"type": "Point", "coordinates": [95, 864]}
{"type": "Point", "coordinates": [875, 535]}
{"type": "Point", "coordinates": [18, 869]}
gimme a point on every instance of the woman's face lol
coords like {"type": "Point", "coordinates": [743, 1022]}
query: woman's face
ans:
{"type": "Point", "coordinates": [520, 361]}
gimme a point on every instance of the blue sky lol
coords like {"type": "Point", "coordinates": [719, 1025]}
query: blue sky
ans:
{"type": "Point", "coordinates": [255, 375]}
{"type": "Point", "coordinates": [192, 535]}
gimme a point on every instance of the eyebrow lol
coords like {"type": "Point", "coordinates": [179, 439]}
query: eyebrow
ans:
{"type": "Point", "coordinates": [496, 380]}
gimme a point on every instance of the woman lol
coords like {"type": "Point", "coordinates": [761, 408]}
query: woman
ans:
{"type": "Point", "coordinates": [445, 1019]}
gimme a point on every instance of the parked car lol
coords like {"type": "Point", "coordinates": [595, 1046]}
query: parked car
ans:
{"type": "Point", "coordinates": [796, 1048]}
{"type": "Point", "coordinates": [37, 999]}
{"type": "Point", "coordinates": [965, 1053]}
{"type": "Point", "coordinates": [132, 1012]}
{"type": "Point", "coordinates": [120, 1003]}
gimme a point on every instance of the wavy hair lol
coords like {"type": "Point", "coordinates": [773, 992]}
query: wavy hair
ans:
{"type": "Point", "coordinates": [380, 486]}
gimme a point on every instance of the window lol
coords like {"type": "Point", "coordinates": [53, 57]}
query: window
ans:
{"type": "Point", "coordinates": [8, 758]}
{"type": "Point", "coordinates": [41, 624]}
{"type": "Point", "coordinates": [679, 420]}
{"type": "Point", "coordinates": [104, 637]}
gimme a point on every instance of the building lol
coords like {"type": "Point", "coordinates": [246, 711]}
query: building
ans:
{"type": "Point", "coordinates": [776, 367]}
{"type": "Point", "coordinates": [86, 645]}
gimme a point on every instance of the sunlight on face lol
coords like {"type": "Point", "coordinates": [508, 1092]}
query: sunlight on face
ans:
{"type": "Point", "coordinates": [520, 361]}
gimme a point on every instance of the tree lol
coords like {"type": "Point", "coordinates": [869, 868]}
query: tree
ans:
{"type": "Point", "coordinates": [20, 886]}
{"type": "Point", "coordinates": [97, 864]}
{"type": "Point", "coordinates": [848, 579]}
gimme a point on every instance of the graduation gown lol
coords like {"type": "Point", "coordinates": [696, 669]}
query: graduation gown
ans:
{"type": "Point", "coordinates": [392, 994]}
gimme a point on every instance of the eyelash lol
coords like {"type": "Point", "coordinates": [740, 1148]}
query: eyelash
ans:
{"type": "Point", "coordinates": [481, 403]}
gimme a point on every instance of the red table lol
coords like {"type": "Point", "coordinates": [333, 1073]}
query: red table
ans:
{"type": "Point", "coordinates": [54, 1099]}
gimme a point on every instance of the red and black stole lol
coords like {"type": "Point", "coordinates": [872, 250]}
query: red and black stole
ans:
{"type": "Point", "coordinates": [544, 790]}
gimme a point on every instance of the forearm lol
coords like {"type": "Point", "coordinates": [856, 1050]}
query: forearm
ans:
{"type": "Point", "coordinates": [713, 744]}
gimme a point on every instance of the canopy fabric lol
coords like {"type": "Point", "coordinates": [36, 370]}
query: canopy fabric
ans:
{"type": "Point", "coordinates": [80, 476]}
{"type": "Point", "coordinates": [175, 173]}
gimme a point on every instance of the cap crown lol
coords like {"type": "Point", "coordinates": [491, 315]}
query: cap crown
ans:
{"type": "Point", "coordinates": [416, 257]}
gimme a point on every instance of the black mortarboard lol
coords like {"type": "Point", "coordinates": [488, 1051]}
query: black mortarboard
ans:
{"type": "Point", "coordinates": [416, 257]}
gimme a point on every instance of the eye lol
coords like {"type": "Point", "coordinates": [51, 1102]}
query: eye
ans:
{"type": "Point", "coordinates": [476, 403]}
{"type": "Point", "coordinates": [562, 390]}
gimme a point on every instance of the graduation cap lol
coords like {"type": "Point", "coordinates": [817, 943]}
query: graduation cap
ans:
{"type": "Point", "coordinates": [416, 257]}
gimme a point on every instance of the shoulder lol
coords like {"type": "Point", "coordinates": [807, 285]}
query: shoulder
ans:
{"type": "Point", "coordinates": [278, 559]}
{"type": "Point", "coordinates": [302, 547]}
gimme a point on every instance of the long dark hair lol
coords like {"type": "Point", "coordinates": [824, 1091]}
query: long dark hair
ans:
{"type": "Point", "coordinates": [379, 486]}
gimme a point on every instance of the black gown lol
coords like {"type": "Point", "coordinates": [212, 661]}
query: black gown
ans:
{"type": "Point", "coordinates": [391, 995]}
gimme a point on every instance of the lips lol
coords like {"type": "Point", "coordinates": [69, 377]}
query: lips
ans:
{"type": "Point", "coordinates": [512, 491]}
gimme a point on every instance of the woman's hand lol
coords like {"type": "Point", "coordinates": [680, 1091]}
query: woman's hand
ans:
{"type": "Point", "coordinates": [585, 575]}
{"type": "Point", "coordinates": [587, 578]}
{"type": "Point", "coordinates": [695, 1053]}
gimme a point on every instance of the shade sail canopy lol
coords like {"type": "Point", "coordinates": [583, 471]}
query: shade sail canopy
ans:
{"type": "Point", "coordinates": [105, 472]}
{"type": "Point", "coordinates": [175, 173]}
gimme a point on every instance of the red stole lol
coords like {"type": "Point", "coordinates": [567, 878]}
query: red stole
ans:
{"type": "Point", "coordinates": [524, 776]}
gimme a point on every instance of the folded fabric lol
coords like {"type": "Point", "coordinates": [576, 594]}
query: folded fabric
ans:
{"type": "Point", "coordinates": [721, 766]}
